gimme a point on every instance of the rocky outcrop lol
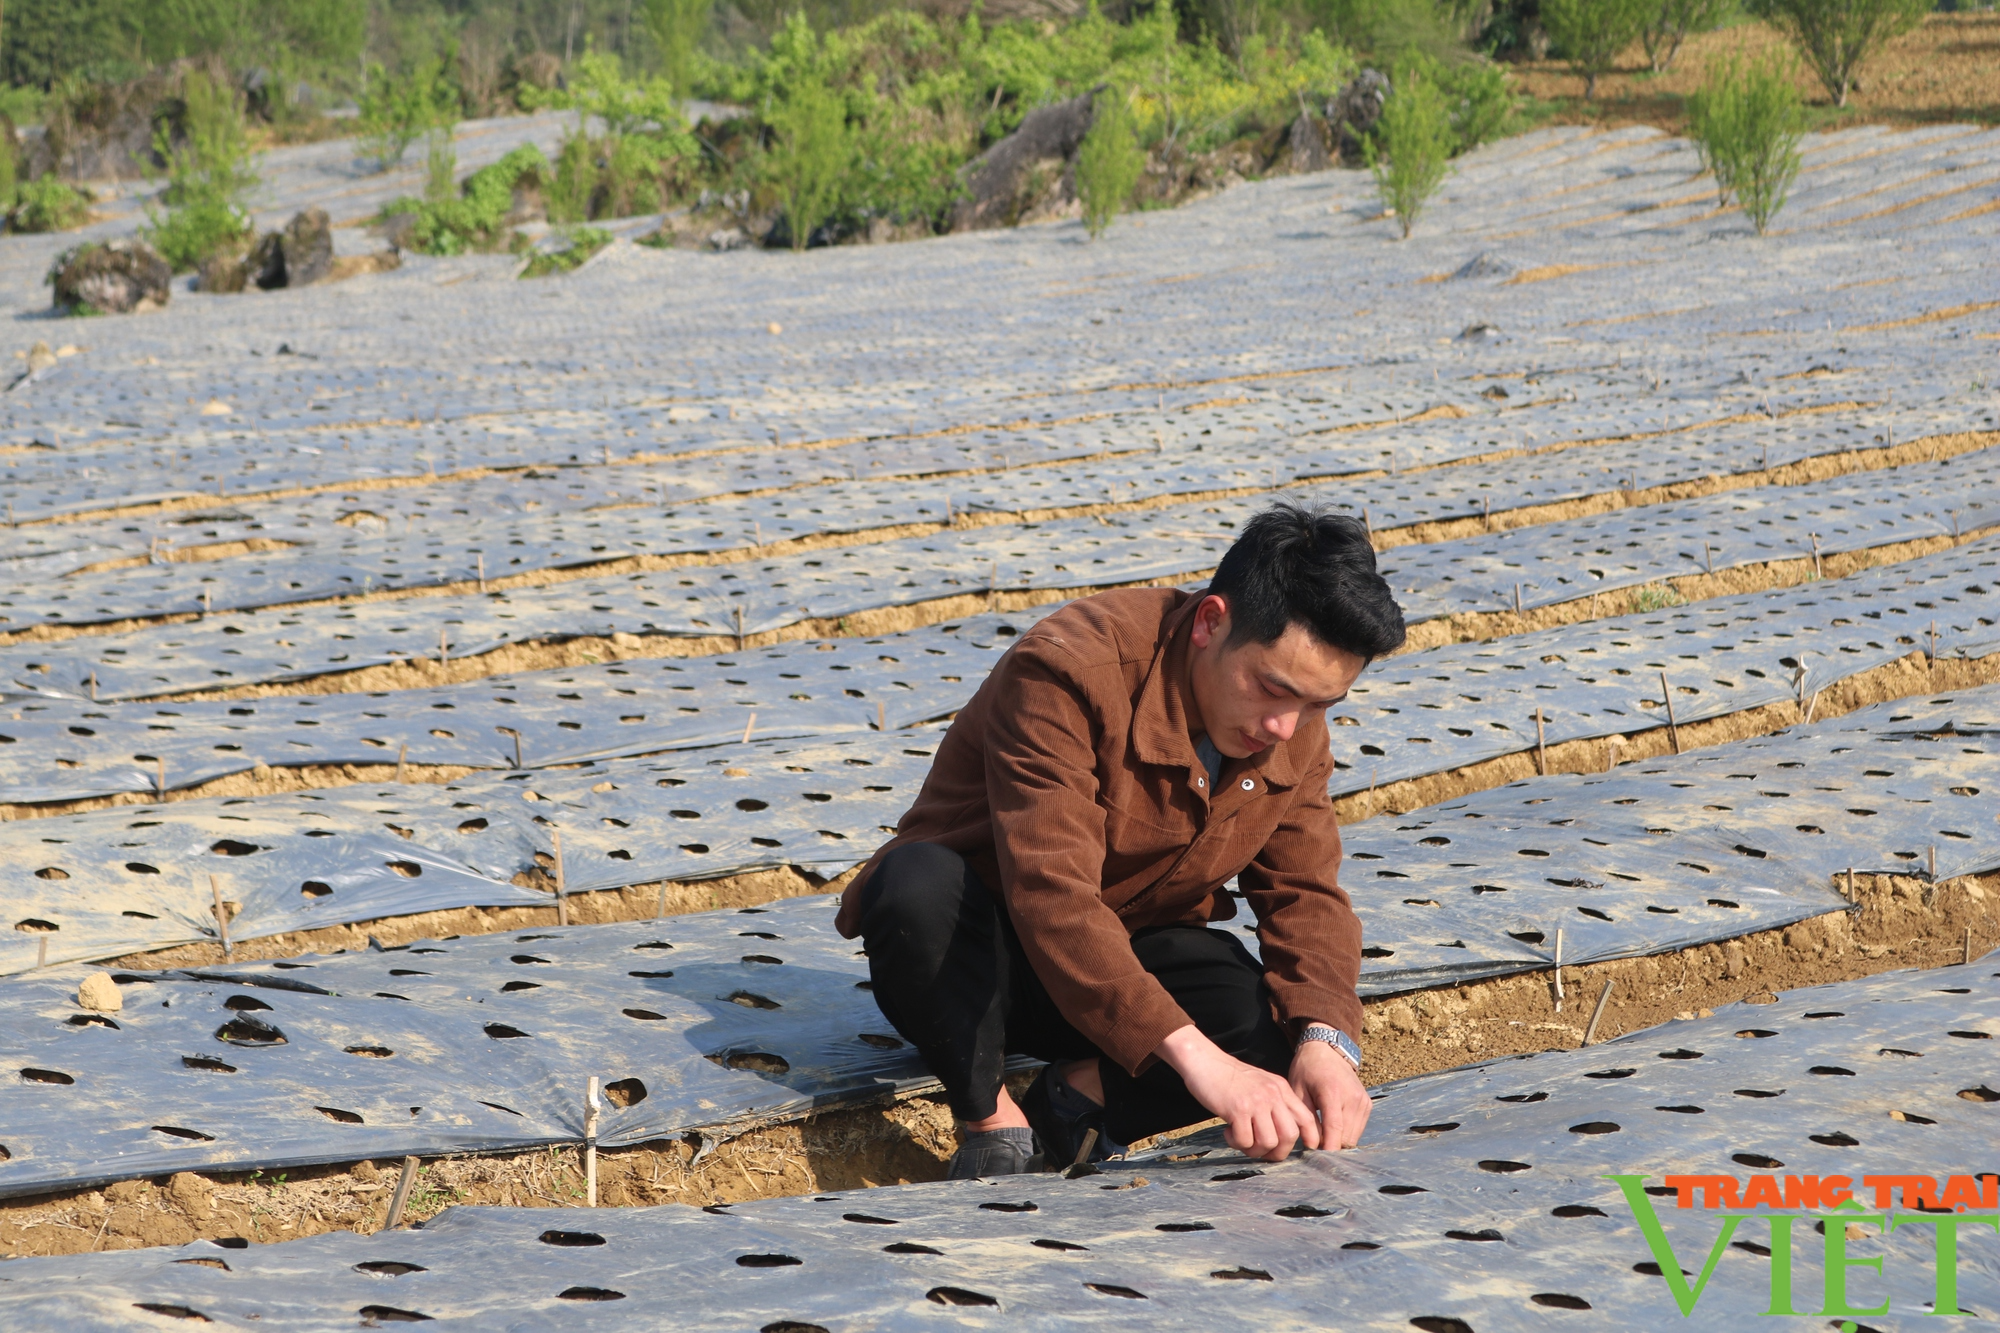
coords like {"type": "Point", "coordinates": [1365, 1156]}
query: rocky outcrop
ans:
{"type": "Point", "coordinates": [1030, 173]}
{"type": "Point", "coordinates": [112, 278]}
{"type": "Point", "coordinates": [298, 256]}
{"type": "Point", "coordinates": [1355, 109]}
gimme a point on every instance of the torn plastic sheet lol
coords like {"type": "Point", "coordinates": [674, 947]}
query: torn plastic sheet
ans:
{"type": "Point", "coordinates": [1481, 1198]}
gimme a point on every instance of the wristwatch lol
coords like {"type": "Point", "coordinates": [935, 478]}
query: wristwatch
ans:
{"type": "Point", "coordinates": [1335, 1038]}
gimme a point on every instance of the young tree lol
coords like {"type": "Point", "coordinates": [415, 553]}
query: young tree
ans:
{"type": "Point", "coordinates": [396, 112]}
{"type": "Point", "coordinates": [1747, 121]}
{"type": "Point", "coordinates": [677, 27]}
{"type": "Point", "coordinates": [811, 152]}
{"type": "Point", "coordinates": [1591, 33]}
{"type": "Point", "coordinates": [1109, 162]}
{"type": "Point", "coordinates": [1415, 137]}
{"type": "Point", "coordinates": [1670, 23]}
{"type": "Point", "coordinates": [1836, 36]}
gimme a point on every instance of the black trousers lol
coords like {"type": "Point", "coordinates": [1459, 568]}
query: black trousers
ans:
{"type": "Point", "coordinates": [950, 974]}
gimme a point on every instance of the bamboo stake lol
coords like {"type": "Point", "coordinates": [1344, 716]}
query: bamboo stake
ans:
{"type": "Point", "coordinates": [1817, 571]}
{"type": "Point", "coordinates": [1673, 727]}
{"type": "Point", "coordinates": [160, 778]}
{"type": "Point", "coordinates": [881, 716]}
{"type": "Point", "coordinates": [1541, 744]}
{"type": "Point", "coordinates": [41, 951]}
{"type": "Point", "coordinates": [1850, 883]}
{"type": "Point", "coordinates": [402, 1194]}
{"type": "Point", "coordinates": [1517, 599]}
{"type": "Point", "coordinates": [1968, 944]}
{"type": "Point", "coordinates": [402, 759]}
{"type": "Point", "coordinates": [562, 887]}
{"type": "Point", "coordinates": [482, 574]}
{"type": "Point", "coordinates": [93, 674]}
{"type": "Point", "coordinates": [221, 915]}
{"type": "Point", "coordinates": [207, 602]}
{"type": "Point", "coordinates": [1559, 969]}
{"type": "Point", "coordinates": [443, 655]}
{"type": "Point", "coordinates": [748, 723]}
{"type": "Point", "coordinates": [590, 1109]}
{"type": "Point", "coordinates": [739, 627]}
{"type": "Point", "coordinates": [1932, 667]}
{"type": "Point", "coordinates": [1603, 998]}
{"type": "Point", "coordinates": [1708, 557]}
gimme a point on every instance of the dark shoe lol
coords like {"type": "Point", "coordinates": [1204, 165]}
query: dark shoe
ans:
{"type": "Point", "coordinates": [1063, 1118]}
{"type": "Point", "coordinates": [992, 1152]}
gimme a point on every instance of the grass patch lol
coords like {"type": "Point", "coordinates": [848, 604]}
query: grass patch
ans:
{"type": "Point", "coordinates": [583, 243]}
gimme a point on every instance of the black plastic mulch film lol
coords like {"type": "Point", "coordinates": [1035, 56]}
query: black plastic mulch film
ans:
{"type": "Point", "coordinates": [1478, 1203]}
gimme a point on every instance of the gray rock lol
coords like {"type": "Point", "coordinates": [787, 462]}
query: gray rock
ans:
{"type": "Point", "coordinates": [1307, 144]}
{"type": "Point", "coordinates": [1019, 173]}
{"type": "Point", "coordinates": [1355, 109]}
{"type": "Point", "coordinates": [111, 277]}
{"type": "Point", "coordinates": [298, 256]}
{"type": "Point", "coordinates": [1485, 264]}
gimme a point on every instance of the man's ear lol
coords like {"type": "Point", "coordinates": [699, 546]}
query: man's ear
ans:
{"type": "Point", "coordinates": [1211, 621]}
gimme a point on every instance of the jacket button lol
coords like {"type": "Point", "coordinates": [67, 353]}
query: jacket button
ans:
{"type": "Point", "coordinates": [1249, 785]}
{"type": "Point", "coordinates": [1201, 782]}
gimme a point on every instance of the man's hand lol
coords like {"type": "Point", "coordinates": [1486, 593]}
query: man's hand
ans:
{"type": "Point", "coordinates": [1265, 1115]}
{"type": "Point", "coordinates": [1326, 1082]}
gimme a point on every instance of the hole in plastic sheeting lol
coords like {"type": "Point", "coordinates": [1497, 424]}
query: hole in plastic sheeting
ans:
{"type": "Point", "coordinates": [141, 868]}
{"type": "Point", "coordinates": [625, 1092]}
{"type": "Point", "coordinates": [1483, 1234]}
{"type": "Point", "coordinates": [472, 826]}
{"type": "Point", "coordinates": [1402, 1189]}
{"type": "Point", "coordinates": [570, 1238]}
{"type": "Point", "coordinates": [1971, 1036]}
{"type": "Point", "coordinates": [526, 958]}
{"type": "Point", "coordinates": [1756, 1161]}
{"type": "Point", "coordinates": [1982, 1093]}
{"type": "Point", "coordinates": [1501, 1167]}
{"type": "Point", "coordinates": [1359, 1245]}
{"type": "Point", "coordinates": [388, 1267]}
{"type": "Point", "coordinates": [1437, 1323]}
{"type": "Point", "coordinates": [869, 1220]}
{"type": "Point", "coordinates": [1377, 951]}
{"type": "Point", "coordinates": [752, 1000]}
{"type": "Point", "coordinates": [1557, 1301]}
{"type": "Point", "coordinates": [958, 1296]}
{"type": "Point", "coordinates": [911, 1247]}
{"type": "Point", "coordinates": [91, 1021]}
{"type": "Point", "coordinates": [1827, 1013]}
{"type": "Point", "coordinates": [498, 1107]}
{"type": "Point", "coordinates": [207, 1263]}
{"type": "Point", "coordinates": [514, 987]}
{"type": "Point", "coordinates": [1751, 1247]}
{"type": "Point", "coordinates": [372, 1052]}
{"type": "Point", "coordinates": [1758, 1092]}
{"type": "Point", "coordinates": [1834, 1140]}
{"type": "Point", "coordinates": [46, 1076]}
{"type": "Point", "coordinates": [1025, 1206]}
{"type": "Point", "coordinates": [1522, 1097]}
{"type": "Point", "coordinates": [314, 888]}
{"type": "Point", "coordinates": [52, 872]}
{"type": "Point", "coordinates": [1595, 1127]}
{"type": "Point", "coordinates": [389, 1314]}
{"type": "Point", "coordinates": [1528, 936]}
{"type": "Point", "coordinates": [232, 1242]}
{"type": "Point", "coordinates": [338, 1116]}
{"type": "Point", "coordinates": [1303, 1210]}
{"type": "Point", "coordinates": [231, 847]}
{"type": "Point", "coordinates": [881, 1042]}
{"type": "Point", "coordinates": [758, 1062]}
{"type": "Point", "coordinates": [501, 1032]}
{"type": "Point", "coordinates": [1681, 1054]}
{"type": "Point", "coordinates": [643, 1015]}
{"type": "Point", "coordinates": [767, 1261]}
{"type": "Point", "coordinates": [655, 975]}
{"type": "Point", "coordinates": [1241, 1274]}
{"type": "Point", "coordinates": [1831, 1071]}
{"type": "Point", "coordinates": [178, 1132]}
{"type": "Point", "coordinates": [1185, 1226]}
{"type": "Point", "coordinates": [408, 870]}
{"type": "Point", "coordinates": [1244, 1174]}
{"type": "Point", "coordinates": [250, 1032]}
{"type": "Point", "coordinates": [1754, 1033]}
{"type": "Point", "coordinates": [36, 925]}
{"type": "Point", "coordinates": [143, 916]}
{"type": "Point", "coordinates": [792, 1326]}
{"type": "Point", "coordinates": [1612, 1073]}
{"type": "Point", "coordinates": [1442, 1127]}
{"type": "Point", "coordinates": [172, 1311]}
{"type": "Point", "coordinates": [1681, 1110]}
{"type": "Point", "coordinates": [1576, 1210]}
{"type": "Point", "coordinates": [589, 1294]}
{"type": "Point", "coordinates": [244, 1004]}
{"type": "Point", "coordinates": [1651, 1269]}
{"type": "Point", "coordinates": [208, 1064]}
{"type": "Point", "coordinates": [1113, 1289]}
{"type": "Point", "coordinates": [1064, 1245]}
{"type": "Point", "coordinates": [761, 958]}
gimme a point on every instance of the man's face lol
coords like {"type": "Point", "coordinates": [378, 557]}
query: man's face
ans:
{"type": "Point", "coordinates": [1251, 695]}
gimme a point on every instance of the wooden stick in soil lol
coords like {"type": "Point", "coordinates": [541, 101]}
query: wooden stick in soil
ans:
{"type": "Point", "coordinates": [1968, 945]}
{"type": "Point", "coordinates": [590, 1109]}
{"type": "Point", "coordinates": [562, 903]}
{"type": "Point", "coordinates": [221, 915]}
{"type": "Point", "coordinates": [42, 950]}
{"type": "Point", "coordinates": [402, 1194]}
{"type": "Point", "coordinates": [1559, 969]}
{"type": "Point", "coordinates": [1673, 727]}
{"type": "Point", "coordinates": [1603, 998]}
{"type": "Point", "coordinates": [1541, 744]}
{"type": "Point", "coordinates": [739, 628]}
{"type": "Point", "coordinates": [160, 778]}
{"type": "Point", "coordinates": [402, 762]}
{"type": "Point", "coordinates": [748, 723]}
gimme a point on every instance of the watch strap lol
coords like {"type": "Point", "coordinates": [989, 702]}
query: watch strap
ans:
{"type": "Point", "coordinates": [1333, 1037]}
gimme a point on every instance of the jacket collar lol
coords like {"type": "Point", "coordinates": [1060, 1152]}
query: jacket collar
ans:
{"type": "Point", "coordinates": [1159, 716]}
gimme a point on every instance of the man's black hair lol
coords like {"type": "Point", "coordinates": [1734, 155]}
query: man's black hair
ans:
{"type": "Point", "coordinates": [1306, 566]}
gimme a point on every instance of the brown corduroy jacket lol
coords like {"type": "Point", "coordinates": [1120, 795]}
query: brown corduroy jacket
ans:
{"type": "Point", "coordinates": [1070, 782]}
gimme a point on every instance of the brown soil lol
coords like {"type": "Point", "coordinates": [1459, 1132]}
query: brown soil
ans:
{"type": "Point", "coordinates": [1899, 923]}
{"type": "Point", "coordinates": [1948, 69]}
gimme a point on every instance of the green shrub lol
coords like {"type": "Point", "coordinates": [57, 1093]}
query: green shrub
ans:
{"type": "Point", "coordinates": [1411, 147]}
{"type": "Point", "coordinates": [575, 177]}
{"type": "Point", "coordinates": [440, 164]}
{"type": "Point", "coordinates": [1671, 21]}
{"type": "Point", "coordinates": [1110, 162]}
{"type": "Point", "coordinates": [583, 242]}
{"type": "Point", "coordinates": [208, 177]}
{"type": "Point", "coordinates": [677, 26]}
{"type": "Point", "coordinates": [812, 146]}
{"type": "Point", "coordinates": [1836, 36]}
{"type": "Point", "coordinates": [1747, 121]}
{"type": "Point", "coordinates": [1477, 97]}
{"type": "Point", "coordinates": [1591, 33]}
{"type": "Point", "coordinates": [48, 204]}
{"type": "Point", "coordinates": [396, 112]}
{"type": "Point", "coordinates": [476, 217]}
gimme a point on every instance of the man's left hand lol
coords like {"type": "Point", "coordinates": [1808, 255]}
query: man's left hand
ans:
{"type": "Point", "coordinates": [1326, 1082]}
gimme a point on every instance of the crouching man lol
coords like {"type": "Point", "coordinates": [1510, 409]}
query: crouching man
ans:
{"type": "Point", "coordinates": [1050, 891]}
